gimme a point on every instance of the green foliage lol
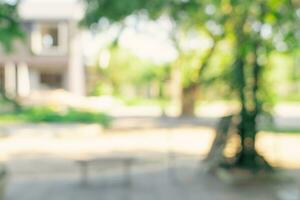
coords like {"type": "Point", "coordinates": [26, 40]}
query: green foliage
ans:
{"type": "Point", "coordinates": [185, 16]}
{"type": "Point", "coordinates": [101, 88]}
{"type": "Point", "coordinates": [270, 24]}
{"type": "Point", "coordinates": [125, 69]}
{"type": "Point", "coordinates": [116, 11]}
{"type": "Point", "coordinates": [188, 62]}
{"type": "Point", "coordinates": [47, 114]}
{"type": "Point", "coordinates": [158, 73]}
{"type": "Point", "coordinates": [284, 72]}
{"type": "Point", "coordinates": [3, 102]}
{"type": "Point", "coordinates": [10, 28]}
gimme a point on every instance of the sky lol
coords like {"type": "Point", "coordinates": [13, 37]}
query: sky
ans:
{"type": "Point", "coordinates": [146, 39]}
{"type": "Point", "coordinates": [150, 41]}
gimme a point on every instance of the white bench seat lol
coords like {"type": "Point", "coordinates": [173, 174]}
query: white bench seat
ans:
{"type": "Point", "coordinates": [125, 162]}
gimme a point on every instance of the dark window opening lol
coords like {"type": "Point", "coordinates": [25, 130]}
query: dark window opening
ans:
{"type": "Point", "coordinates": [51, 81]}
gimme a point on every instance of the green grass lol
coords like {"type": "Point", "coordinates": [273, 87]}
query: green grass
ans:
{"type": "Point", "coordinates": [290, 98]}
{"type": "Point", "coordinates": [46, 114]}
{"type": "Point", "coordinates": [7, 118]}
{"type": "Point", "coordinates": [277, 130]}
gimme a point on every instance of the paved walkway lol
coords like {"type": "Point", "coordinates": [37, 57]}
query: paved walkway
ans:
{"type": "Point", "coordinates": [42, 167]}
{"type": "Point", "coordinates": [186, 182]}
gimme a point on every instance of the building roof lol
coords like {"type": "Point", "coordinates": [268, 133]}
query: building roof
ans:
{"type": "Point", "coordinates": [51, 9]}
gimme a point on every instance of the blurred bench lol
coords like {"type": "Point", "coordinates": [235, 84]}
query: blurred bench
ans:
{"type": "Point", "coordinates": [125, 162]}
{"type": "Point", "coordinates": [215, 155]}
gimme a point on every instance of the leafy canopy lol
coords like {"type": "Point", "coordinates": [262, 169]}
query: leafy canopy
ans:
{"type": "Point", "coordinates": [10, 28]}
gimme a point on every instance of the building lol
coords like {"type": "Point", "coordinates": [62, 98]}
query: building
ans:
{"type": "Point", "coordinates": [50, 57]}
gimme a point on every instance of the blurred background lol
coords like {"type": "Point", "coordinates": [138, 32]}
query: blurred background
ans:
{"type": "Point", "coordinates": [129, 99]}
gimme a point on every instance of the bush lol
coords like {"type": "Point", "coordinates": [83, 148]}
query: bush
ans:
{"type": "Point", "coordinates": [47, 114]}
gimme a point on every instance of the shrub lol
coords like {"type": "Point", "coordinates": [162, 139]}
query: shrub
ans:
{"type": "Point", "coordinates": [47, 114]}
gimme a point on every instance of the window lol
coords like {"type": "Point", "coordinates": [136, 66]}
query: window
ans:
{"type": "Point", "coordinates": [49, 39]}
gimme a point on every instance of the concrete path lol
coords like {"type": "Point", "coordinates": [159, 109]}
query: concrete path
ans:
{"type": "Point", "coordinates": [186, 182]}
{"type": "Point", "coordinates": [42, 167]}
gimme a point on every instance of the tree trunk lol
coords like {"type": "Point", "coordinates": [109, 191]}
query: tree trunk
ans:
{"type": "Point", "coordinates": [189, 98]}
{"type": "Point", "coordinates": [247, 157]}
{"type": "Point", "coordinates": [247, 127]}
{"type": "Point", "coordinates": [176, 88]}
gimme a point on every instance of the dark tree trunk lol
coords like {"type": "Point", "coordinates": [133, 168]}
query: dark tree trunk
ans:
{"type": "Point", "coordinates": [247, 127]}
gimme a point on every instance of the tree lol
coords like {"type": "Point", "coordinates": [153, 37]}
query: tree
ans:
{"type": "Point", "coordinates": [125, 70]}
{"type": "Point", "coordinates": [259, 27]}
{"type": "Point", "coordinates": [185, 16]}
{"type": "Point", "coordinates": [10, 30]}
{"type": "Point", "coordinates": [255, 28]}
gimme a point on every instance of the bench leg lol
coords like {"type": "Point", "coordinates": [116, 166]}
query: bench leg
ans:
{"type": "Point", "coordinates": [127, 173]}
{"type": "Point", "coordinates": [84, 173]}
{"type": "Point", "coordinates": [171, 165]}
